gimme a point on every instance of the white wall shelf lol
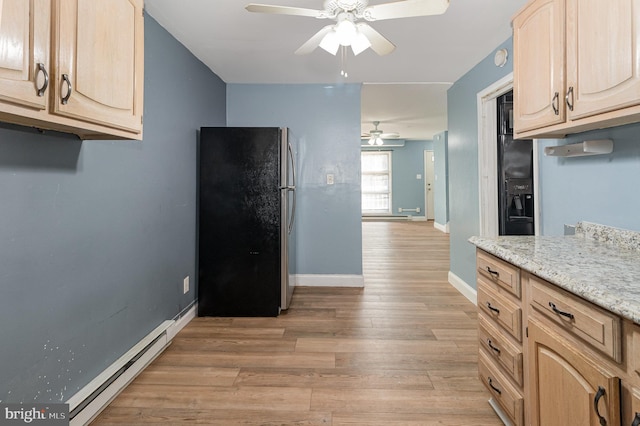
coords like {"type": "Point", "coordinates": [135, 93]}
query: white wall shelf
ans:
{"type": "Point", "coordinates": [581, 149]}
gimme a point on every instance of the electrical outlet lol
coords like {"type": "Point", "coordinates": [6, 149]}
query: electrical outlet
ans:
{"type": "Point", "coordinates": [185, 285]}
{"type": "Point", "coordinates": [330, 179]}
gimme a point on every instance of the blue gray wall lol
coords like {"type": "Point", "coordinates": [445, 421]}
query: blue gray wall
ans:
{"type": "Point", "coordinates": [601, 189]}
{"type": "Point", "coordinates": [407, 162]}
{"type": "Point", "coordinates": [441, 186]}
{"type": "Point", "coordinates": [97, 236]}
{"type": "Point", "coordinates": [325, 121]}
{"type": "Point", "coordinates": [463, 160]}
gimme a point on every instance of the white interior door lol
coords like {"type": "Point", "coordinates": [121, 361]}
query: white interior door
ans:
{"type": "Point", "coordinates": [429, 184]}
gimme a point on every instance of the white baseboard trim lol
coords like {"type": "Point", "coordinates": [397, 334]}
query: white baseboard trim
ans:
{"type": "Point", "coordinates": [329, 280]}
{"type": "Point", "coordinates": [464, 288]}
{"type": "Point", "coordinates": [140, 356]}
{"type": "Point", "coordinates": [389, 217]}
{"type": "Point", "coordinates": [441, 227]}
{"type": "Point", "coordinates": [182, 320]}
{"type": "Point", "coordinates": [418, 218]}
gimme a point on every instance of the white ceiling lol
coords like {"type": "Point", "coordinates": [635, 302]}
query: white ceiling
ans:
{"type": "Point", "coordinates": [405, 90]}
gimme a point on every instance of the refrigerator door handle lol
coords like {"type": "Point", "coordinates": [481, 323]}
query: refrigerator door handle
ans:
{"type": "Point", "coordinates": [292, 188]}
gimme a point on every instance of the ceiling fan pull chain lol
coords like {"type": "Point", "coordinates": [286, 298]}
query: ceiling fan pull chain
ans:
{"type": "Point", "coordinates": [343, 58]}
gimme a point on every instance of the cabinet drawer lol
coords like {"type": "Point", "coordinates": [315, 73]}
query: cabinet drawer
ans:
{"type": "Point", "coordinates": [599, 328]}
{"type": "Point", "coordinates": [502, 391]}
{"type": "Point", "coordinates": [500, 309]}
{"type": "Point", "coordinates": [500, 349]}
{"type": "Point", "coordinates": [499, 272]}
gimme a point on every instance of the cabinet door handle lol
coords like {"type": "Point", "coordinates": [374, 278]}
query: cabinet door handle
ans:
{"type": "Point", "coordinates": [559, 312]}
{"type": "Point", "coordinates": [65, 98]}
{"type": "Point", "coordinates": [43, 70]}
{"type": "Point", "coordinates": [491, 308]}
{"type": "Point", "coordinates": [596, 400]}
{"type": "Point", "coordinates": [636, 420]}
{"type": "Point", "coordinates": [566, 98]}
{"type": "Point", "coordinates": [492, 272]}
{"type": "Point", "coordinates": [555, 103]}
{"type": "Point", "coordinates": [495, 349]}
{"type": "Point", "coordinates": [493, 387]}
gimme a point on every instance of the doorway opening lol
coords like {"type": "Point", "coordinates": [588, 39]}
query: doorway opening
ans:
{"type": "Point", "coordinates": [488, 158]}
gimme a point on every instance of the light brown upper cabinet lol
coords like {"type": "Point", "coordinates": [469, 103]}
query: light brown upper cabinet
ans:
{"type": "Point", "coordinates": [84, 71]}
{"type": "Point", "coordinates": [576, 66]}
{"type": "Point", "coordinates": [24, 54]}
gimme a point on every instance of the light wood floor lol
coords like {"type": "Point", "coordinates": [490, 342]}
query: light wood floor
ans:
{"type": "Point", "coordinates": [401, 351]}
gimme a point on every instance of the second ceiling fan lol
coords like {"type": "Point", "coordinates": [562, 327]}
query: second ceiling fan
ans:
{"type": "Point", "coordinates": [350, 28]}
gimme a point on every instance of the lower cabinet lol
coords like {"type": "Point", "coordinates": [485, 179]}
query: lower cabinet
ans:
{"type": "Point", "coordinates": [565, 387]}
{"type": "Point", "coordinates": [549, 357]}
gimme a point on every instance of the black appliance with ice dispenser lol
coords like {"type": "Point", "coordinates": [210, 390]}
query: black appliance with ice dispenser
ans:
{"type": "Point", "coordinates": [515, 175]}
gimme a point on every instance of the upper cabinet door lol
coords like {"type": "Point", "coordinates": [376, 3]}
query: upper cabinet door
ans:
{"type": "Point", "coordinates": [24, 55]}
{"type": "Point", "coordinates": [603, 67]}
{"type": "Point", "coordinates": [99, 56]}
{"type": "Point", "coordinates": [538, 68]}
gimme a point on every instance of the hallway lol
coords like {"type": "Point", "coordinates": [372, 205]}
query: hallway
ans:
{"type": "Point", "coordinates": [401, 351]}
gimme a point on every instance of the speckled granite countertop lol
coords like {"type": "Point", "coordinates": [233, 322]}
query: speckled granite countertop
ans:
{"type": "Point", "coordinates": [601, 264]}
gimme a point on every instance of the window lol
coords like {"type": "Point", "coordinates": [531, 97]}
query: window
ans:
{"type": "Point", "coordinates": [376, 182]}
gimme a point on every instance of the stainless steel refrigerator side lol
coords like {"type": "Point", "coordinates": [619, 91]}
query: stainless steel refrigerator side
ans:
{"type": "Point", "coordinates": [287, 186]}
{"type": "Point", "coordinates": [291, 234]}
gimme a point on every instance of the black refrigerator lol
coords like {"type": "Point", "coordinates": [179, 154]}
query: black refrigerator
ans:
{"type": "Point", "coordinates": [515, 175]}
{"type": "Point", "coordinates": [246, 213]}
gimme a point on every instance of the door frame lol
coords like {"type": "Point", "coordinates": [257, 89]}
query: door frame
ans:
{"type": "Point", "coordinates": [488, 159]}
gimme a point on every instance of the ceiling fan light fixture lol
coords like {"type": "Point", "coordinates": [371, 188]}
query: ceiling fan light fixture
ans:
{"type": "Point", "coordinates": [360, 44]}
{"type": "Point", "coordinates": [330, 43]}
{"type": "Point", "coordinates": [346, 32]}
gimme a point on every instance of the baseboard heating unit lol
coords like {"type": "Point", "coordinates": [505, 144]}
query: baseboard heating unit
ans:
{"type": "Point", "coordinates": [85, 405]}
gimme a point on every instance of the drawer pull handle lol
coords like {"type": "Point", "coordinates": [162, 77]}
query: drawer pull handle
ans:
{"type": "Point", "coordinates": [596, 400]}
{"type": "Point", "coordinates": [45, 83]}
{"type": "Point", "coordinates": [490, 343]}
{"type": "Point", "coordinates": [492, 272]}
{"type": "Point", "coordinates": [555, 104]}
{"type": "Point", "coordinates": [559, 312]}
{"type": "Point", "coordinates": [65, 98]}
{"type": "Point", "coordinates": [491, 308]}
{"type": "Point", "coordinates": [566, 98]}
{"type": "Point", "coordinates": [493, 387]}
{"type": "Point", "coordinates": [636, 420]}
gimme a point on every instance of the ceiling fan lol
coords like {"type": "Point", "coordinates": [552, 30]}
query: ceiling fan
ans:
{"type": "Point", "coordinates": [376, 136]}
{"type": "Point", "coordinates": [349, 30]}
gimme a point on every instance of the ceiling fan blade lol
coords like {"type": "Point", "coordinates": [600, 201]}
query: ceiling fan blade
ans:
{"type": "Point", "coordinates": [391, 135]}
{"type": "Point", "coordinates": [311, 44]}
{"type": "Point", "coordinates": [284, 10]}
{"type": "Point", "coordinates": [406, 9]}
{"type": "Point", "coordinates": [379, 43]}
